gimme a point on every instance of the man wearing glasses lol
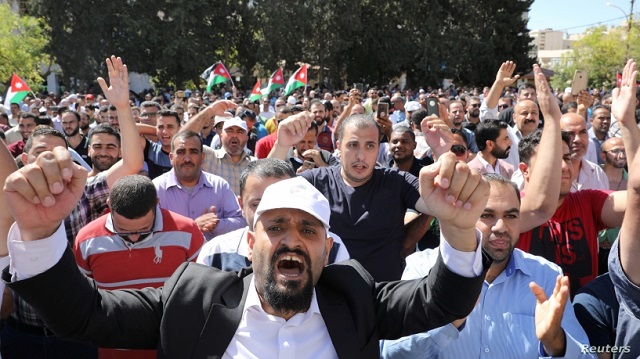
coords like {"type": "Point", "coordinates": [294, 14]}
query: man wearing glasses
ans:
{"type": "Point", "coordinates": [136, 245]}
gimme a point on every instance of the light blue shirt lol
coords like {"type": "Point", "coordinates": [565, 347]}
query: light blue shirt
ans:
{"type": "Point", "coordinates": [211, 190]}
{"type": "Point", "coordinates": [502, 325]}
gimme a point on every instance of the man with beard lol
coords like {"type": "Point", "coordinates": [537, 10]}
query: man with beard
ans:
{"type": "Point", "coordinates": [319, 113]}
{"type": "Point", "coordinates": [85, 121]}
{"type": "Point", "coordinates": [526, 116]}
{"type": "Point", "coordinates": [494, 143]}
{"type": "Point", "coordinates": [70, 121]}
{"type": "Point", "coordinates": [104, 149]}
{"type": "Point", "coordinates": [229, 252]}
{"type": "Point", "coordinates": [456, 116]}
{"type": "Point", "coordinates": [472, 118]}
{"type": "Point", "coordinates": [288, 304]}
{"type": "Point", "coordinates": [514, 293]}
{"type": "Point", "coordinates": [26, 124]}
{"type": "Point", "coordinates": [599, 132]}
{"type": "Point", "coordinates": [589, 174]}
{"type": "Point", "coordinates": [191, 192]}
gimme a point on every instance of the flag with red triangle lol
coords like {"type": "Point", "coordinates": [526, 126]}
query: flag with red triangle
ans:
{"type": "Point", "coordinates": [256, 95]}
{"type": "Point", "coordinates": [216, 74]}
{"type": "Point", "coordinates": [16, 92]}
{"type": "Point", "coordinates": [275, 82]}
{"type": "Point", "coordinates": [297, 80]}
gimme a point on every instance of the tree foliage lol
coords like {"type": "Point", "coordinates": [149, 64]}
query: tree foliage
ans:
{"type": "Point", "coordinates": [602, 53]}
{"type": "Point", "coordinates": [22, 43]}
{"type": "Point", "coordinates": [371, 41]}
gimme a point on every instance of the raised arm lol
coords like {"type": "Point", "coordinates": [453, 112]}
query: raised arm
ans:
{"type": "Point", "coordinates": [504, 78]}
{"type": "Point", "coordinates": [217, 108]}
{"type": "Point", "coordinates": [290, 131]}
{"type": "Point", "coordinates": [544, 182]}
{"type": "Point", "coordinates": [118, 95]}
{"type": "Point", "coordinates": [623, 107]}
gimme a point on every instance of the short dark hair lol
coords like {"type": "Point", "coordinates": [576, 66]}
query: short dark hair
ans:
{"type": "Point", "coordinates": [317, 102]}
{"type": "Point", "coordinates": [112, 108]}
{"type": "Point", "coordinates": [360, 121]}
{"type": "Point", "coordinates": [133, 196]}
{"type": "Point", "coordinates": [418, 116]}
{"type": "Point", "coordinates": [183, 135]}
{"type": "Point", "coordinates": [266, 168]}
{"type": "Point", "coordinates": [526, 86]}
{"type": "Point", "coordinates": [455, 131]}
{"type": "Point", "coordinates": [150, 104]}
{"type": "Point", "coordinates": [313, 127]}
{"type": "Point", "coordinates": [169, 113]}
{"type": "Point", "coordinates": [567, 106]}
{"type": "Point", "coordinates": [44, 121]}
{"type": "Point", "coordinates": [106, 129]}
{"type": "Point", "coordinates": [28, 115]}
{"type": "Point", "coordinates": [404, 129]}
{"type": "Point", "coordinates": [489, 131]}
{"type": "Point", "coordinates": [528, 146]}
{"type": "Point", "coordinates": [75, 113]}
{"type": "Point", "coordinates": [43, 131]}
{"type": "Point", "coordinates": [494, 178]}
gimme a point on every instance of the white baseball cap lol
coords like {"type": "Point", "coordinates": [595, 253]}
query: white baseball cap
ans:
{"type": "Point", "coordinates": [412, 106]}
{"type": "Point", "coordinates": [235, 121]}
{"type": "Point", "coordinates": [295, 193]}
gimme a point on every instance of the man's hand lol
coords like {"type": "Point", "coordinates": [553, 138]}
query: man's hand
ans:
{"type": "Point", "coordinates": [453, 193]}
{"type": "Point", "coordinates": [386, 127]}
{"type": "Point", "coordinates": [315, 156]}
{"type": "Point", "coordinates": [549, 314]}
{"type": "Point", "coordinates": [355, 97]}
{"type": "Point", "coordinates": [624, 97]}
{"type": "Point", "coordinates": [437, 135]}
{"type": "Point", "coordinates": [548, 103]}
{"type": "Point", "coordinates": [220, 108]}
{"type": "Point", "coordinates": [505, 77]}
{"type": "Point", "coordinates": [293, 129]}
{"type": "Point", "coordinates": [584, 100]}
{"type": "Point", "coordinates": [208, 221]}
{"type": "Point", "coordinates": [42, 194]}
{"type": "Point", "coordinates": [118, 93]}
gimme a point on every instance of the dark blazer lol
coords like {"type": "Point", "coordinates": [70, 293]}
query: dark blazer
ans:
{"type": "Point", "coordinates": [197, 312]}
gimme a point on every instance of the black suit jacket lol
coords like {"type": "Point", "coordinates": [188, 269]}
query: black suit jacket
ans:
{"type": "Point", "coordinates": [196, 313]}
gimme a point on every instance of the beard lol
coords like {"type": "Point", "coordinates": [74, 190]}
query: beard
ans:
{"type": "Point", "coordinates": [73, 133]}
{"type": "Point", "coordinates": [500, 153]}
{"type": "Point", "coordinates": [295, 296]}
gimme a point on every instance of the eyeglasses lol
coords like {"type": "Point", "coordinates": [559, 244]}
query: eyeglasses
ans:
{"type": "Point", "coordinates": [142, 235]}
{"type": "Point", "coordinates": [149, 114]}
{"type": "Point", "coordinates": [474, 105]}
{"type": "Point", "coordinates": [459, 150]}
{"type": "Point", "coordinates": [503, 106]}
{"type": "Point", "coordinates": [617, 152]}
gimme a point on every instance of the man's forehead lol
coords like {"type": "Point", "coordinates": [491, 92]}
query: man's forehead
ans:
{"type": "Point", "coordinates": [284, 215]}
{"type": "Point", "coordinates": [47, 142]}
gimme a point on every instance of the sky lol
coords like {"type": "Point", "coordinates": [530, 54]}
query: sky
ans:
{"type": "Point", "coordinates": [575, 16]}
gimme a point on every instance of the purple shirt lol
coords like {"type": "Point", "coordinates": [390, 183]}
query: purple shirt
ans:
{"type": "Point", "coordinates": [211, 190]}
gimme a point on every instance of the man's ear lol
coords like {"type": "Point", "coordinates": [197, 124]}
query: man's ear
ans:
{"type": "Point", "coordinates": [328, 245]}
{"type": "Point", "coordinates": [251, 240]}
{"type": "Point", "coordinates": [525, 171]}
{"type": "Point", "coordinates": [24, 157]}
{"type": "Point", "coordinates": [603, 156]}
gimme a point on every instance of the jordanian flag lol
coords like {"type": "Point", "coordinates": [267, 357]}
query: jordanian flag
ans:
{"type": "Point", "coordinates": [256, 95]}
{"type": "Point", "coordinates": [16, 92]}
{"type": "Point", "coordinates": [275, 82]}
{"type": "Point", "coordinates": [299, 79]}
{"type": "Point", "coordinates": [216, 74]}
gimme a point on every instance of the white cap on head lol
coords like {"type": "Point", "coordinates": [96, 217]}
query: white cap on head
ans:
{"type": "Point", "coordinates": [218, 119]}
{"type": "Point", "coordinates": [295, 193]}
{"type": "Point", "coordinates": [412, 106]}
{"type": "Point", "coordinates": [292, 100]}
{"type": "Point", "coordinates": [235, 121]}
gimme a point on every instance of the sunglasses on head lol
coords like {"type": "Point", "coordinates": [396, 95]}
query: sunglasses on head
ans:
{"type": "Point", "coordinates": [459, 150]}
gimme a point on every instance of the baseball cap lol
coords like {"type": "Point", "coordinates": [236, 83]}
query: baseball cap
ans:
{"type": "Point", "coordinates": [295, 193]}
{"type": "Point", "coordinates": [89, 97]}
{"type": "Point", "coordinates": [234, 121]}
{"type": "Point", "coordinates": [218, 119]}
{"type": "Point", "coordinates": [227, 95]}
{"type": "Point", "coordinates": [412, 106]}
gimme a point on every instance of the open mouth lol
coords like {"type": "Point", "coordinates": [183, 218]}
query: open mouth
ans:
{"type": "Point", "coordinates": [290, 266]}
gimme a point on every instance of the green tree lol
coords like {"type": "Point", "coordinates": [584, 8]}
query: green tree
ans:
{"type": "Point", "coordinates": [22, 44]}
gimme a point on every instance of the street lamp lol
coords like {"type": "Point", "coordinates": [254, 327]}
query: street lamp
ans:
{"type": "Point", "coordinates": [629, 23]}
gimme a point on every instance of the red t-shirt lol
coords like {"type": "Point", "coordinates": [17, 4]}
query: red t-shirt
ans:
{"type": "Point", "coordinates": [570, 237]}
{"type": "Point", "coordinates": [265, 144]}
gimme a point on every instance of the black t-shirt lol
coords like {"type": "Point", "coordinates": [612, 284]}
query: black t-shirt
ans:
{"type": "Point", "coordinates": [369, 218]}
{"type": "Point", "coordinates": [83, 150]}
{"type": "Point", "coordinates": [157, 160]}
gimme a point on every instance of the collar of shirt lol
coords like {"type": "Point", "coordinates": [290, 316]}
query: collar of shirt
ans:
{"type": "Point", "coordinates": [487, 165]}
{"type": "Point", "coordinates": [516, 262]}
{"type": "Point", "coordinates": [221, 153]}
{"type": "Point", "coordinates": [172, 180]}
